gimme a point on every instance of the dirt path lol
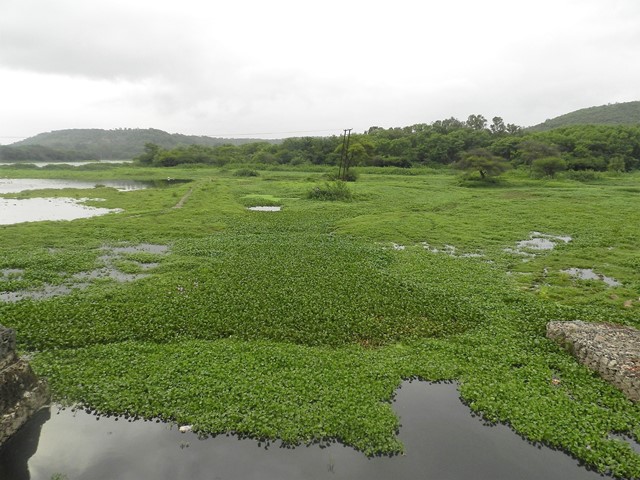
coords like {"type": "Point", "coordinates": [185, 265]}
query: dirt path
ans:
{"type": "Point", "coordinates": [184, 198]}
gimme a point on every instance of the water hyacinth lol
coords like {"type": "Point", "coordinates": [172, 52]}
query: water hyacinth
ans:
{"type": "Point", "coordinates": [299, 325]}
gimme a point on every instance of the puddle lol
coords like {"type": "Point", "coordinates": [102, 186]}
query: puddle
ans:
{"type": "Point", "coordinates": [513, 251]}
{"type": "Point", "coordinates": [45, 292]}
{"type": "Point", "coordinates": [537, 244]}
{"type": "Point", "coordinates": [11, 273]}
{"type": "Point", "coordinates": [142, 247]}
{"type": "Point", "coordinates": [265, 209]}
{"type": "Point", "coordinates": [450, 250]}
{"type": "Point", "coordinates": [441, 438]}
{"type": "Point", "coordinates": [635, 446]}
{"type": "Point", "coordinates": [83, 280]}
{"type": "Point", "coordinates": [588, 274]}
{"type": "Point", "coordinates": [537, 241]}
{"type": "Point", "coordinates": [108, 272]}
{"type": "Point", "coordinates": [41, 209]}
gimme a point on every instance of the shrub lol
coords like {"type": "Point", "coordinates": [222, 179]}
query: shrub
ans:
{"type": "Point", "coordinates": [583, 175]}
{"type": "Point", "coordinates": [337, 190]}
{"type": "Point", "coordinates": [349, 176]}
{"type": "Point", "coordinates": [616, 164]}
{"type": "Point", "coordinates": [245, 172]}
{"type": "Point", "coordinates": [548, 166]}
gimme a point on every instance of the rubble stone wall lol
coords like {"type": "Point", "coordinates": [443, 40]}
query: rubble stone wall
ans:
{"type": "Point", "coordinates": [611, 350]}
{"type": "Point", "coordinates": [21, 392]}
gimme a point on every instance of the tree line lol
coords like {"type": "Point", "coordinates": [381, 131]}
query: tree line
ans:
{"type": "Point", "coordinates": [474, 144]}
{"type": "Point", "coordinates": [96, 143]}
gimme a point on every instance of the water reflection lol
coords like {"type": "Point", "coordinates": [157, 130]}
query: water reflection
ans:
{"type": "Point", "coordinates": [588, 274]}
{"type": "Point", "coordinates": [265, 209]}
{"type": "Point", "coordinates": [15, 454]}
{"type": "Point", "coordinates": [15, 185]}
{"type": "Point", "coordinates": [442, 441]}
{"type": "Point", "coordinates": [39, 209]}
{"type": "Point", "coordinates": [82, 280]}
{"type": "Point", "coordinates": [69, 163]}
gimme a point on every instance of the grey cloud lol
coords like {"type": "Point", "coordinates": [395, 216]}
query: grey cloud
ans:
{"type": "Point", "coordinates": [85, 39]}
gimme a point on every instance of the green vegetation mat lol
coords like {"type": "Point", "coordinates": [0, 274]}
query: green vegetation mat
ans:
{"type": "Point", "coordinates": [300, 324]}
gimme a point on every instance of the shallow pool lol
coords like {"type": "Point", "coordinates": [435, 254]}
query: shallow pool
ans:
{"type": "Point", "coordinates": [20, 210]}
{"type": "Point", "coordinates": [442, 441]}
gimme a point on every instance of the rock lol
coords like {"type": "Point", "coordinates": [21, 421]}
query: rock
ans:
{"type": "Point", "coordinates": [21, 392]}
{"type": "Point", "coordinates": [611, 350]}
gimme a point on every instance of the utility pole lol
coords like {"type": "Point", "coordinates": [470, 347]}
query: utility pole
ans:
{"type": "Point", "coordinates": [344, 155]}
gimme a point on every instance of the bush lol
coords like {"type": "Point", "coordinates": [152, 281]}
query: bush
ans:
{"type": "Point", "coordinates": [350, 176]}
{"type": "Point", "coordinates": [616, 164]}
{"type": "Point", "coordinates": [583, 175]}
{"type": "Point", "coordinates": [549, 166]}
{"type": "Point", "coordinates": [471, 181]}
{"type": "Point", "coordinates": [331, 191]}
{"type": "Point", "coordinates": [587, 163]}
{"type": "Point", "coordinates": [245, 172]}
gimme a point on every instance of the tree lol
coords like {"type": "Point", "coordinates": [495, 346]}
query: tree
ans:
{"type": "Point", "coordinates": [476, 122]}
{"type": "Point", "coordinates": [497, 126]}
{"type": "Point", "coordinates": [448, 125]}
{"type": "Point", "coordinates": [513, 129]}
{"type": "Point", "coordinates": [532, 149]}
{"type": "Point", "coordinates": [616, 164]}
{"type": "Point", "coordinates": [149, 155]}
{"type": "Point", "coordinates": [506, 146]}
{"type": "Point", "coordinates": [482, 161]}
{"type": "Point", "coordinates": [549, 166]}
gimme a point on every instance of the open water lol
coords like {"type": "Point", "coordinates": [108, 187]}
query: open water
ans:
{"type": "Point", "coordinates": [442, 441]}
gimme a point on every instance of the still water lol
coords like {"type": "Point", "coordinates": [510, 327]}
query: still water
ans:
{"type": "Point", "coordinates": [442, 441]}
{"type": "Point", "coordinates": [14, 211]}
{"type": "Point", "coordinates": [18, 210]}
{"type": "Point", "coordinates": [15, 185]}
{"type": "Point", "coordinates": [80, 163]}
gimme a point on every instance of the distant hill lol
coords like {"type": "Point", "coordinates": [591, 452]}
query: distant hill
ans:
{"type": "Point", "coordinates": [95, 143]}
{"type": "Point", "coordinates": [627, 113]}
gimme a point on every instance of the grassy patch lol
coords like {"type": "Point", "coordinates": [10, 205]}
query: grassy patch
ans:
{"type": "Point", "coordinates": [300, 324]}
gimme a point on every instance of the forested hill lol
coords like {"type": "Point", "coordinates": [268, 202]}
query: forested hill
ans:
{"type": "Point", "coordinates": [627, 113]}
{"type": "Point", "coordinates": [94, 143]}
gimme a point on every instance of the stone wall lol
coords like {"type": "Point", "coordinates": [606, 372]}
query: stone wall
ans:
{"type": "Point", "coordinates": [611, 350]}
{"type": "Point", "coordinates": [21, 392]}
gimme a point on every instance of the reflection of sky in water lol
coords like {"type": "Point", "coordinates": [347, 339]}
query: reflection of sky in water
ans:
{"type": "Point", "coordinates": [73, 164]}
{"type": "Point", "coordinates": [588, 274]}
{"type": "Point", "coordinates": [39, 209]}
{"type": "Point", "coordinates": [441, 438]}
{"type": "Point", "coordinates": [15, 185]}
{"type": "Point", "coordinates": [82, 280]}
{"type": "Point", "coordinates": [265, 209]}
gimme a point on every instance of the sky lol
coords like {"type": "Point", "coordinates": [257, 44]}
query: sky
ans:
{"type": "Point", "coordinates": [280, 68]}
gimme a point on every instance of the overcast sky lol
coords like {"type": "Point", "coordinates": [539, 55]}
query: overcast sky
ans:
{"type": "Point", "coordinates": [282, 68]}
